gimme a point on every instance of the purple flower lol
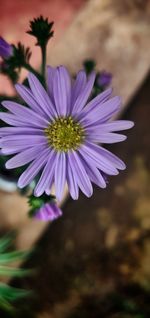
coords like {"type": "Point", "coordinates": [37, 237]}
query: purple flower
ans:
{"type": "Point", "coordinates": [104, 79]}
{"type": "Point", "coordinates": [48, 212]}
{"type": "Point", "coordinates": [5, 49]}
{"type": "Point", "coordinates": [58, 134]}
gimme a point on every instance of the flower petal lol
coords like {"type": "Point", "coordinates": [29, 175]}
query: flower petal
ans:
{"type": "Point", "coordinates": [93, 173]}
{"type": "Point", "coordinates": [22, 140]}
{"type": "Point", "coordinates": [107, 138]}
{"type": "Point", "coordinates": [25, 114]}
{"type": "Point", "coordinates": [41, 96]}
{"type": "Point", "coordinates": [117, 125]}
{"type": "Point", "coordinates": [29, 98]}
{"type": "Point", "coordinates": [6, 131]}
{"type": "Point", "coordinates": [12, 120]}
{"type": "Point", "coordinates": [50, 80]}
{"type": "Point", "coordinates": [14, 150]}
{"type": "Point", "coordinates": [80, 174]}
{"type": "Point", "coordinates": [117, 162]}
{"type": "Point", "coordinates": [33, 169]}
{"type": "Point", "coordinates": [101, 112]}
{"type": "Point", "coordinates": [71, 180]}
{"type": "Point", "coordinates": [93, 153]}
{"type": "Point", "coordinates": [60, 174]}
{"type": "Point", "coordinates": [101, 98]}
{"type": "Point", "coordinates": [62, 91]}
{"type": "Point", "coordinates": [78, 86]}
{"type": "Point", "coordinates": [47, 175]}
{"type": "Point", "coordinates": [23, 158]}
{"type": "Point", "coordinates": [84, 95]}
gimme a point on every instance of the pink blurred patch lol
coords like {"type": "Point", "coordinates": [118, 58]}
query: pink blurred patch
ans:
{"type": "Point", "coordinates": [14, 21]}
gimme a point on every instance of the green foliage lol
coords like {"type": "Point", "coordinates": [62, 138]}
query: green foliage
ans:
{"type": "Point", "coordinates": [10, 294]}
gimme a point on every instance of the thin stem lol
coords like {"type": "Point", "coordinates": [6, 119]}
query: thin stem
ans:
{"type": "Point", "coordinates": [31, 69]}
{"type": "Point", "coordinates": [43, 49]}
{"type": "Point", "coordinates": [37, 74]}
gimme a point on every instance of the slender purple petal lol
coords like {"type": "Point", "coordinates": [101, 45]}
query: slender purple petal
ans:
{"type": "Point", "coordinates": [107, 138]}
{"type": "Point", "coordinates": [117, 162]}
{"type": "Point", "coordinates": [80, 174]}
{"type": "Point", "coordinates": [14, 150]}
{"type": "Point", "coordinates": [101, 112]}
{"type": "Point", "coordinates": [25, 114]}
{"type": "Point", "coordinates": [84, 95]}
{"type": "Point", "coordinates": [78, 86]}
{"type": "Point", "coordinates": [25, 140]}
{"type": "Point", "coordinates": [50, 81]}
{"type": "Point", "coordinates": [62, 91]}
{"type": "Point", "coordinates": [22, 158]}
{"type": "Point", "coordinates": [117, 125]}
{"type": "Point", "coordinates": [29, 98]}
{"type": "Point", "coordinates": [6, 131]}
{"type": "Point", "coordinates": [41, 96]}
{"type": "Point", "coordinates": [47, 175]}
{"type": "Point", "coordinates": [71, 180]}
{"type": "Point", "coordinates": [96, 102]}
{"type": "Point", "coordinates": [60, 174]}
{"type": "Point", "coordinates": [94, 174]}
{"type": "Point", "coordinates": [33, 169]}
{"type": "Point", "coordinates": [12, 120]}
{"type": "Point", "coordinates": [93, 153]}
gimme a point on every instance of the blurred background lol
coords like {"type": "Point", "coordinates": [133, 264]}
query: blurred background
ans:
{"type": "Point", "coordinates": [94, 261]}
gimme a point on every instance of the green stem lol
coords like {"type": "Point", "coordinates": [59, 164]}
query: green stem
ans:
{"type": "Point", "coordinates": [31, 69]}
{"type": "Point", "coordinates": [43, 67]}
{"type": "Point", "coordinates": [37, 74]}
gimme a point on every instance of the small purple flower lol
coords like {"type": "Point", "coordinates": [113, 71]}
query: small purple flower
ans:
{"type": "Point", "coordinates": [48, 212]}
{"type": "Point", "coordinates": [58, 134]}
{"type": "Point", "coordinates": [104, 79]}
{"type": "Point", "coordinates": [5, 49]}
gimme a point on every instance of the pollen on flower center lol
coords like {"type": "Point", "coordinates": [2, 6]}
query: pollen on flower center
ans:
{"type": "Point", "coordinates": [65, 134]}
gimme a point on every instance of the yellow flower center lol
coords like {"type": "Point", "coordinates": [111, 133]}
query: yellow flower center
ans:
{"type": "Point", "coordinates": [65, 134]}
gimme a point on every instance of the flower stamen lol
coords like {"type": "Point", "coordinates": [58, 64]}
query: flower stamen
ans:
{"type": "Point", "coordinates": [65, 134]}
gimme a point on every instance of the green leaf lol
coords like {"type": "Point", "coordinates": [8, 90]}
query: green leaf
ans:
{"type": "Point", "coordinates": [4, 304]}
{"type": "Point", "coordinates": [14, 272]}
{"type": "Point", "coordinates": [5, 242]}
{"type": "Point", "coordinates": [11, 294]}
{"type": "Point", "coordinates": [13, 256]}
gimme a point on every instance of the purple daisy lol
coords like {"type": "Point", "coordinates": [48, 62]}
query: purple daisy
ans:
{"type": "Point", "coordinates": [58, 134]}
{"type": "Point", "coordinates": [5, 49]}
{"type": "Point", "coordinates": [48, 212]}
